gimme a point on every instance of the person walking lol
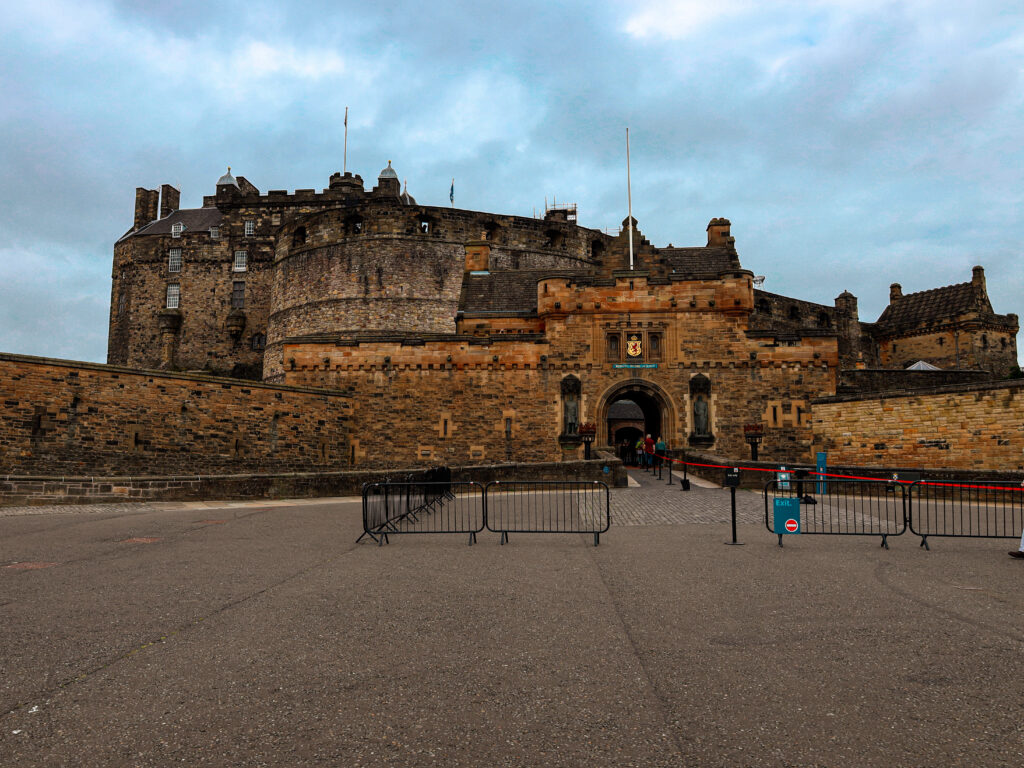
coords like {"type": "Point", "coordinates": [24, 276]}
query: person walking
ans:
{"type": "Point", "coordinates": [649, 450]}
{"type": "Point", "coordinates": [640, 451]}
{"type": "Point", "coordinates": [1020, 552]}
{"type": "Point", "coordinates": [659, 451]}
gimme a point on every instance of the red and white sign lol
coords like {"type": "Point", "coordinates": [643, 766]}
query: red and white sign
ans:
{"type": "Point", "coordinates": [792, 525]}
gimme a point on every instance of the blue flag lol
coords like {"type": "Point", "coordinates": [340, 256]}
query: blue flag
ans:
{"type": "Point", "coordinates": [451, 193]}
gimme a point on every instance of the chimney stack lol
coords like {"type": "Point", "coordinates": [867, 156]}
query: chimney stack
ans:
{"type": "Point", "coordinates": [978, 277]}
{"type": "Point", "coordinates": [169, 200]}
{"type": "Point", "coordinates": [146, 202]}
{"type": "Point", "coordinates": [895, 292]}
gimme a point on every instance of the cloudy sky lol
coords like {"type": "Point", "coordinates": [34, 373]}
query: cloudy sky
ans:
{"type": "Point", "coordinates": [853, 143]}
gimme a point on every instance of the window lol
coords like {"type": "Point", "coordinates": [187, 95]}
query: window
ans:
{"type": "Point", "coordinates": [173, 295]}
{"type": "Point", "coordinates": [174, 260]}
{"type": "Point", "coordinates": [122, 301]}
{"type": "Point", "coordinates": [654, 346]}
{"type": "Point", "coordinates": [176, 229]}
{"type": "Point", "coordinates": [215, 233]}
{"type": "Point", "coordinates": [259, 341]}
{"type": "Point", "coordinates": [613, 346]}
{"type": "Point", "coordinates": [238, 294]}
{"type": "Point", "coordinates": [241, 261]}
{"type": "Point", "coordinates": [425, 226]}
{"type": "Point", "coordinates": [794, 314]}
{"type": "Point", "coordinates": [250, 228]}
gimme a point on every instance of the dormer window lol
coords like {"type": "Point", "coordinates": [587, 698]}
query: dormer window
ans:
{"type": "Point", "coordinates": [241, 261]}
{"type": "Point", "coordinates": [176, 229]}
{"type": "Point", "coordinates": [215, 233]}
{"type": "Point", "coordinates": [250, 228]}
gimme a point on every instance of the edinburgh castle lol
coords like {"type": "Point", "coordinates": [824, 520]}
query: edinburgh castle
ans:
{"type": "Point", "coordinates": [353, 327]}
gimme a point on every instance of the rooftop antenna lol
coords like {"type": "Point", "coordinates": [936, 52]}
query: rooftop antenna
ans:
{"type": "Point", "coordinates": [629, 197]}
{"type": "Point", "coordinates": [344, 162]}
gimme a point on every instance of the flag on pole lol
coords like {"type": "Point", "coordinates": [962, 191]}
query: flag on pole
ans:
{"type": "Point", "coordinates": [451, 193]}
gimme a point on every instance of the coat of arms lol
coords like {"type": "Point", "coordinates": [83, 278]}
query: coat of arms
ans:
{"type": "Point", "coordinates": [634, 347]}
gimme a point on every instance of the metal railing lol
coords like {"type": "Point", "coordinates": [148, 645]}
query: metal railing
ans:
{"type": "Point", "coordinates": [411, 505]}
{"type": "Point", "coordinates": [842, 507]}
{"type": "Point", "coordinates": [551, 506]}
{"type": "Point", "coordinates": [981, 510]}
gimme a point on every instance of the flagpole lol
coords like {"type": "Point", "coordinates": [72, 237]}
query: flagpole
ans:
{"type": "Point", "coordinates": [344, 162]}
{"type": "Point", "coordinates": [629, 197]}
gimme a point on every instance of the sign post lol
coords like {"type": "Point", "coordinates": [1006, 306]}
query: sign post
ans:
{"type": "Point", "coordinates": [787, 516]}
{"type": "Point", "coordinates": [732, 482]}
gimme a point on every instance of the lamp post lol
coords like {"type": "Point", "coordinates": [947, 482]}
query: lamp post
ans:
{"type": "Point", "coordinates": [587, 432]}
{"type": "Point", "coordinates": [753, 434]}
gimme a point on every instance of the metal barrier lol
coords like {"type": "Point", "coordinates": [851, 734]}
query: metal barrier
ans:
{"type": "Point", "coordinates": [554, 506]}
{"type": "Point", "coordinates": [423, 506]}
{"type": "Point", "coordinates": [984, 510]}
{"type": "Point", "coordinates": [846, 508]}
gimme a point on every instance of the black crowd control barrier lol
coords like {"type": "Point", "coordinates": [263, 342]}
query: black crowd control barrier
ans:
{"type": "Point", "coordinates": [981, 510]}
{"type": "Point", "coordinates": [841, 507]}
{"type": "Point", "coordinates": [548, 506]}
{"type": "Point", "coordinates": [433, 505]}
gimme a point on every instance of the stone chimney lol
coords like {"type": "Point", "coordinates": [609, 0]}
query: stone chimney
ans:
{"type": "Point", "coordinates": [895, 292]}
{"type": "Point", "coordinates": [146, 203]}
{"type": "Point", "coordinates": [718, 233]}
{"type": "Point", "coordinates": [170, 199]}
{"type": "Point", "coordinates": [978, 277]}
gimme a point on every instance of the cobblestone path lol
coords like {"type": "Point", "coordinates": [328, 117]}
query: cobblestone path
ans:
{"type": "Point", "coordinates": [655, 502]}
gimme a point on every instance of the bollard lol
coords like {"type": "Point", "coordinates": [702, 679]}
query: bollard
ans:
{"type": "Point", "coordinates": [732, 482]}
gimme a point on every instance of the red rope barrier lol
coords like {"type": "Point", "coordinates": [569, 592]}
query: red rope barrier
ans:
{"type": "Point", "coordinates": [837, 476]}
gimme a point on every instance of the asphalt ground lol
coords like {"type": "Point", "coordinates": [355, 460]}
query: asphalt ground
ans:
{"type": "Point", "coordinates": [259, 634]}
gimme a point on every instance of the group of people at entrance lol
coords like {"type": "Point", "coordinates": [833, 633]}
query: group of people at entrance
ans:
{"type": "Point", "coordinates": [647, 452]}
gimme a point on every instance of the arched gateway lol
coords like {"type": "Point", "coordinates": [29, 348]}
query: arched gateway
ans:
{"type": "Point", "coordinates": [659, 413]}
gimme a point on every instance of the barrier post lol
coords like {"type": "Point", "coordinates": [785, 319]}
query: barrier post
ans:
{"type": "Point", "coordinates": [732, 482]}
{"type": "Point", "coordinates": [685, 482]}
{"type": "Point", "coordinates": [668, 461]}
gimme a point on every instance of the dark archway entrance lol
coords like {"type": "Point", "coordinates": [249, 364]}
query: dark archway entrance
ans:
{"type": "Point", "coordinates": [632, 409]}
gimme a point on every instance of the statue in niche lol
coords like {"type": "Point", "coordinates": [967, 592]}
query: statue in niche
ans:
{"type": "Point", "coordinates": [700, 399]}
{"type": "Point", "coordinates": [570, 405]}
{"type": "Point", "coordinates": [700, 416]}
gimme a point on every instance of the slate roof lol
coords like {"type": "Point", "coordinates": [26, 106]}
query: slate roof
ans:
{"type": "Point", "coordinates": [700, 262]}
{"type": "Point", "coordinates": [194, 219]}
{"type": "Point", "coordinates": [512, 292]}
{"type": "Point", "coordinates": [936, 305]}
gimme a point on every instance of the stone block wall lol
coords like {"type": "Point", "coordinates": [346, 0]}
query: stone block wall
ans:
{"type": "Point", "coordinates": [976, 426]}
{"type": "Point", "coordinates": [69, 418]}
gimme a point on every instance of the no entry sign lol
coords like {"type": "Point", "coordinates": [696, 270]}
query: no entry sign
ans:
{"type": "Point", "coordinates": [787, 515]}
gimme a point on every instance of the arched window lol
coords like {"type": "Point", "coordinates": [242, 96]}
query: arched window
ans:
{"type": "Point", "coordinates": [259, 341]}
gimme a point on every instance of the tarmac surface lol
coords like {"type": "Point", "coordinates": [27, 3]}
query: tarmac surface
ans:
{"type": "Point", "coordinates": [261, 634]}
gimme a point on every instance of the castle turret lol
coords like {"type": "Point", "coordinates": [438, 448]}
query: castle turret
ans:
{"type": "Point", "coordinates": [387, 183]}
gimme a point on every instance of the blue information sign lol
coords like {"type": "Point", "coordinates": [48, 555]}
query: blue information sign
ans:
{"type": "Point", "coordinates": [635, 365]}
{"type": "Point", "coordinates": [787, 515]}
{"type": "Point", "coordinates": [823, 468]}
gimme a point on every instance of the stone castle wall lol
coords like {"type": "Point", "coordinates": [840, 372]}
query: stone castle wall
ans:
{"type": "Point", "coordinates": [64, 417]}
{"type": "Point", "coordinates": [991, 349]}
{"type": "Point", "coordinates": [973, 426]}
